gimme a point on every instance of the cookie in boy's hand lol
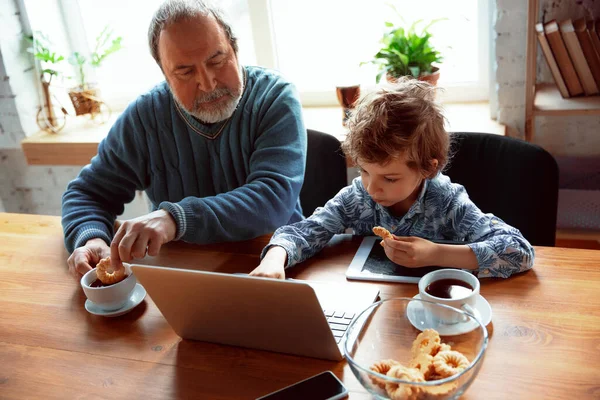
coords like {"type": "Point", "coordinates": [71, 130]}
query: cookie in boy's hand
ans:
{"type": "Point", "coordinates": [383, 233]}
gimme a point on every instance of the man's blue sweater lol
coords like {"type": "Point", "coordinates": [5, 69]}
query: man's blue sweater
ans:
{"type": "Point", "coordinates": [232, 180]}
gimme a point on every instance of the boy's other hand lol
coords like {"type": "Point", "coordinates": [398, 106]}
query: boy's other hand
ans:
{"type": "Point", "coordinates": [412, 252]}
{"type": "Point", "coordinates": [269, 269]}
{"type": "Point", "coordinates": [272, 264]}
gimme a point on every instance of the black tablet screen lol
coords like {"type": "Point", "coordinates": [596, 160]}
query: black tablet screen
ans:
{"type": "Point", "coordinates": [378, 263]}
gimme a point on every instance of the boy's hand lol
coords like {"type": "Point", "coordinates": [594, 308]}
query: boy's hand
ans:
{"type": "Point", "coordinates": [269, 269]}
{"type": "Point", "coordinates": [272, 265]}
{"type": "Point", "coordinates": [412, 252]}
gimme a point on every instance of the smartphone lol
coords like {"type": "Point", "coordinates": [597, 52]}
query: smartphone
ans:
{"type": "Point", "coordinates": [324, 386]}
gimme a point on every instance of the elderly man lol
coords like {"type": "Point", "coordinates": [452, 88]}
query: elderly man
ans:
{"type": "Point", "coordinates": [219, 148]}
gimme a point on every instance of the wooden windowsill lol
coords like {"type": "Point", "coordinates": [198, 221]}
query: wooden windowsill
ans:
{"type": "Point", "coordinates": [78, 142]}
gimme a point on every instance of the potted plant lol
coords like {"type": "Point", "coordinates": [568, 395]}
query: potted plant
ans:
{"type": "Point", "coordinates": [41, 48]}
{"type": "Point", "coordinates": [408, 52]}
{"type": "Point", "coordinates": [85, 95]}
{"type": "Point", "coordinates": [49, 117]}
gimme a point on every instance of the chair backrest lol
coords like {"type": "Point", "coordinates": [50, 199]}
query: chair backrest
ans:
{"type": "Point", "coordinates": [326, 171]}
{"type": "Point", "coordinates": [510, 178]}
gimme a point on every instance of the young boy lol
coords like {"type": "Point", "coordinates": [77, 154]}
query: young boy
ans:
{"type": "Point", "coordinates": [398, 141]}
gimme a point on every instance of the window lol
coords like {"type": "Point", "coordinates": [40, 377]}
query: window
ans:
{"type": "Point", "coordinates": [319, 43]}
{"type": "Point", "coordinates": [316, 44]}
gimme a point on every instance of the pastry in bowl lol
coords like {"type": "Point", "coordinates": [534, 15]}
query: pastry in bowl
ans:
{"type": "Point", "coordinates": [393, 359]}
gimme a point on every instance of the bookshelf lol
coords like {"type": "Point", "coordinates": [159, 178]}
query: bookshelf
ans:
{"type": "Point", "coordinates": [549, 102]}
{"type": "Point", "coordinates": [544, 99]}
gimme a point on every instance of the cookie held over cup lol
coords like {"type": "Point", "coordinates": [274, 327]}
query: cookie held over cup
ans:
{"type": "Point", "coordinates": [109, 275]}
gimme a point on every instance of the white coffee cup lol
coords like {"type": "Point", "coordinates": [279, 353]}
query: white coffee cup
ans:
{"type": "Point", "coordinates": [465, 303]}
{"type": "Point", "coordinates": [109, 298]}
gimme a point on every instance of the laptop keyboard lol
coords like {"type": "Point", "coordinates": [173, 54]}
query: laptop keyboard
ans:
{"type": "Point", "coordinates": [338, 322]}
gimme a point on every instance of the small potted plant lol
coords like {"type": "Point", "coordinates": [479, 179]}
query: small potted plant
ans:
{"type": "Point", "coordinates": [85, 95]}
{"type": "Point", "coordinates": [42, 49]}
{"type": "Point", "coordinates": [50, 116]}
{"type": "Point", "coordinates": [408, 52]}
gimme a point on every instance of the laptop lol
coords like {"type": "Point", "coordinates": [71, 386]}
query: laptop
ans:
{"type": "Point", "coordinates": [286, 316]}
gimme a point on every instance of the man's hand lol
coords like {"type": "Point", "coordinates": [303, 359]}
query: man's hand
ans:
{"type": "Point", "coordinates": [86, 257]}
{"type": "Point", "coordinates": [145, 234]}
{"type": "Point", "coordinates": [412, 252]}
{"type": "Point", "coordinates": [272, 264]}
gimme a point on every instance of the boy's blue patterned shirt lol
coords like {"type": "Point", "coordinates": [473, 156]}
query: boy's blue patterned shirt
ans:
{"type": "Point", "coordinates": [443, 210]}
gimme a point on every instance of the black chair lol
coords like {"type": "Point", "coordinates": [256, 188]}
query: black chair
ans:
{"type": "Point", "coordinates": [510, 178]}
{"type": "Point", "coordinates": [325, 172]}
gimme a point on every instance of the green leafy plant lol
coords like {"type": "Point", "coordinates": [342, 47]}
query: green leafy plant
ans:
{"type": "Point", "coordinates": [79, 61]}
{"type": "Point", "coordinates": [406, 51]}
{"type": "Point", "coordinates": [42, 49]}
{"type": "Point", "coordinates": [105, 46]}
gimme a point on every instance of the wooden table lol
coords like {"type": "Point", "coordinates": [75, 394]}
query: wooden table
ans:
{"type": "Point", "coordinates": [544, 335]}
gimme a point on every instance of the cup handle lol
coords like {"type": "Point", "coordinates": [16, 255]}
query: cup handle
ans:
{"type": "Point", "coordinates": [470, 310]}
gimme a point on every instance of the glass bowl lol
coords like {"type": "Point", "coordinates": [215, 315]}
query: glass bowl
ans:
{"type": "Point", "coordinates": [389, 332]}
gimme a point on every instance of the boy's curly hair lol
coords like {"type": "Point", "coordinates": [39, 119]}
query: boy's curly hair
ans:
{"type": "Point", "coordinates": [402, 118]}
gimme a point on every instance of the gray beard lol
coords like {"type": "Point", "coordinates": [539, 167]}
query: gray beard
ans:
{"type": "Point", "coordinates": [224, 111]}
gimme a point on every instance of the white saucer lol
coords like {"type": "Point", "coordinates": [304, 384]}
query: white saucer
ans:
{"type": "Point", "coordinates": [138, 294]}
{"type": "Point", "coordinates": [417, 317]}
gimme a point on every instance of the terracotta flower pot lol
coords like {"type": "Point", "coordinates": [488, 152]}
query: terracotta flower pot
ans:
{"type": "Point", "coordinates": [431, 78]}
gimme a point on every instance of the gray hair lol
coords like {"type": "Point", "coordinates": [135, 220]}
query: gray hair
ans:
{"type": "Point", "coordinates": [172, 11]}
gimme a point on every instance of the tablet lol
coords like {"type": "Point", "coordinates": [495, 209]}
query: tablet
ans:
{"type": "Point", "coordinates": [371, 264]}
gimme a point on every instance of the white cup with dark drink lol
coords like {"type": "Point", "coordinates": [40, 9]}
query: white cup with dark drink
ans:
{"type": "Point", "coordinates": [108, 297]}
{"type": "Point", "coordinates": [451, 287]}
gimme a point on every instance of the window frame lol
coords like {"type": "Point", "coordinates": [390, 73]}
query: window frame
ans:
{"type": "Point", "coordinates": [266, 52]}
{"type": "Point", "coordinates": [266, 55]}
